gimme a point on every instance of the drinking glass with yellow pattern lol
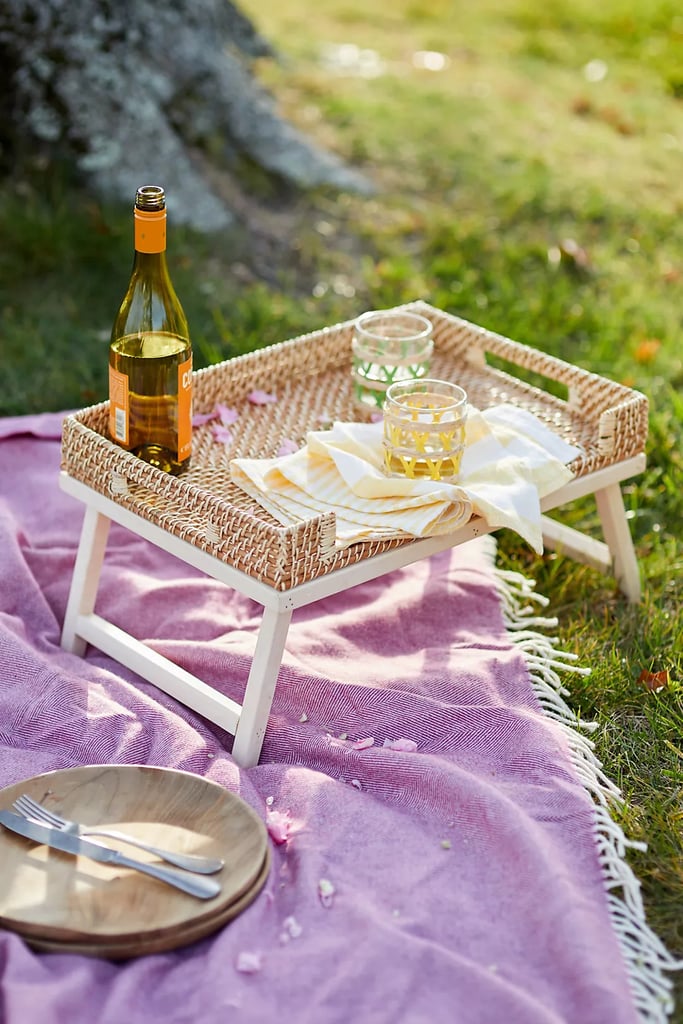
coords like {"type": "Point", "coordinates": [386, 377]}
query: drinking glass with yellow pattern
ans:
{"type": "Point", "coordinates": [424, 429]}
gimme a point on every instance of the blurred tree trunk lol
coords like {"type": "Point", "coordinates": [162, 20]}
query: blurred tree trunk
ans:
{"type": "Point", "coordinates": [134, 91]}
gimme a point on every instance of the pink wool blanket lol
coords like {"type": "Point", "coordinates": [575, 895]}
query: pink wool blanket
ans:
{"type": "Point", "coordinates": [467, 882]}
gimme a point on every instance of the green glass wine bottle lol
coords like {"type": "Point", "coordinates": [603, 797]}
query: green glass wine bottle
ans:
{"type": "Point", "coordinates": [150, 354]}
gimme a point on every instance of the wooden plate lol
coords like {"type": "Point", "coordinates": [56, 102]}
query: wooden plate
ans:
{"type": "Point", "coordinates": [54, 897]}
{"type": "Point", "coordinates": [158, 943]}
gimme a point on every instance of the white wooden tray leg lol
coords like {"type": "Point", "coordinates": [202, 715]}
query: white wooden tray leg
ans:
{"type": "Point", "coordinates": [258, 696]}
{"type": "Point", "coordinates": [86, 577]}
{"type": "Point", "coordinates": [618, 538]}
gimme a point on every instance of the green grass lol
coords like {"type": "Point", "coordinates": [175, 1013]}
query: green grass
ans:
{"type": "Point", "coordinates": [484, 170]}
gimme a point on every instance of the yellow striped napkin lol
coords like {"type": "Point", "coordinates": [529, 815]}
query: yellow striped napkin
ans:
{"type": "Point", "coordinates": [511, 460]}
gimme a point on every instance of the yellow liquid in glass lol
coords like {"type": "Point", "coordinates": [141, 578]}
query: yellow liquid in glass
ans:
{"type": "Point", "coordinates": [436, 467]}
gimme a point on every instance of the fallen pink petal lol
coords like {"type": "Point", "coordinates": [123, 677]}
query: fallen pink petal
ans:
{"type": "Point", "coordinates": [249, 962]}
{"type": "Point", "coordinates": [363, 744]}
{"type": "Point", "coordinates": [259, 397]}
{"type": "Point", "coordinates": [287, 447]}
{"type": "Point", "coordinates": [278, 824]}
{"type": "Point", "coordinates": [334, 741]}
{"type": "Point", "coordinates": [226, 414]}
{"type": "Point", "coordinates": [200, 418]}
{"type": "Point", "coordinates": [291, 929]}
{"type": "Point", "coordinates": [326, 892]}
{"type": "Point", "coordinates": [221, 434]}
{"type": "Point", "coordinates": [409, 746]}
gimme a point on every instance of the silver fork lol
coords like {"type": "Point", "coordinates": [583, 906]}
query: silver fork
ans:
{"type": "Point", "coordinates": [30, 808]}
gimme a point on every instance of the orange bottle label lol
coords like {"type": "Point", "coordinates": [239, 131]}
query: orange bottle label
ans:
{"type": "Point", "coordinates": [118, 406]}
{"type": "Point", "coordinates": [150, 230]}
{"type": "Point", "coordinates": [185, 410]}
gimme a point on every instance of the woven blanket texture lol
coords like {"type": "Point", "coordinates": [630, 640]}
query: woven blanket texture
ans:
{"type": "Point", "coordinates": [467, 883]}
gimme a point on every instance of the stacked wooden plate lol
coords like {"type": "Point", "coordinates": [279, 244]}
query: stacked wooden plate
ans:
{"type": "Point", "coordinates": [60, 903]}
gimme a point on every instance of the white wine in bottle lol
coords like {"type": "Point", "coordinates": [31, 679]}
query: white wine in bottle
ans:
{"type": "Point", "coordinates": [150, 355]}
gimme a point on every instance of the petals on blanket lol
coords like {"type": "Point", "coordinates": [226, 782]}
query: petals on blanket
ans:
{"type": "Point", "coordinates": [452, 876]}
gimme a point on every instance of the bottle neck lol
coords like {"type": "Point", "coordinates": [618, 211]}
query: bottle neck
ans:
{"type": "Point", "coordinates": [149, 262]}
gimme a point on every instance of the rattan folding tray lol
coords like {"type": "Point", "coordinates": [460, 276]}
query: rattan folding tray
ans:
{"type": "Point", "coordinates": [232, 537]}
{"type": "Point", "coordinates": [311, 378]}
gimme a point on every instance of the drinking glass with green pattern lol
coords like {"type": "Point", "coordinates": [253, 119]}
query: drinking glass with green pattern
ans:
{"type": "Point", "coordinates": [388, 346]}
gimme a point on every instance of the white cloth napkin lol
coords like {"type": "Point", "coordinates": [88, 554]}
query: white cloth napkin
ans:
{"type": "Point", "coordinates": [511, 460]}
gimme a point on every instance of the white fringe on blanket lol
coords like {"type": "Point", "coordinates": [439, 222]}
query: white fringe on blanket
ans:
{"type": "Point", "coordinates": [644, 954]}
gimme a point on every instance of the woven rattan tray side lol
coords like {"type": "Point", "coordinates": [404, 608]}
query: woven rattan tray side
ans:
{"type": "Point", "coordinates": [310, 376]}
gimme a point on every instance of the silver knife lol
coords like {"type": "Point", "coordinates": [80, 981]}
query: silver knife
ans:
{"type": "Point", "coordinates": [196, 885]}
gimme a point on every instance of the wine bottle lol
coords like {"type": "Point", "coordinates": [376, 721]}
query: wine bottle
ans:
{"type": "Point", "coordinates": [150, 354]}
